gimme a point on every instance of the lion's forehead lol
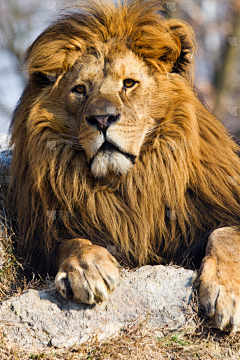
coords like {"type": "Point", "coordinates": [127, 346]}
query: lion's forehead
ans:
{"type": "Point", "coordinates": [114, 64]}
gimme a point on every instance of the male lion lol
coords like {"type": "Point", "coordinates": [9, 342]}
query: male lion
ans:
{"type": "Point", "coordinates": [112, 146]}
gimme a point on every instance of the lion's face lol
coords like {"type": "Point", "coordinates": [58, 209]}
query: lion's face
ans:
{"type": "Point", "coordinates": [107, 97]}
{"type": "Point", "coordinates": [112, 83]}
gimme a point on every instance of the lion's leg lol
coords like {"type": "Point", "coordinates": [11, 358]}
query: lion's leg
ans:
{"type": "Point", "coordinates": [220, 278]}
{"type": "Point", "coordinates": [87, 272]}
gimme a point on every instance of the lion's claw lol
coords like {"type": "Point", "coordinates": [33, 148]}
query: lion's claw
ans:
{"type": "Point", "coordinates": [88, 278]}
{"type": "Point", "coordinates": [63, 285]}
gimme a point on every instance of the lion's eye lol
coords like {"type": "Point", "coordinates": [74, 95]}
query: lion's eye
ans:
{"type": "Point", "coordinates": [79, 89]}
{"type": "Point", "coordinates": [128, 83]}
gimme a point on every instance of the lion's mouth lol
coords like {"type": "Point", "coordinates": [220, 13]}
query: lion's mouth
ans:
{"type": "Point", "coordinates": [110, 148]}
{"type": "Point", "coordinates": [109, 158]}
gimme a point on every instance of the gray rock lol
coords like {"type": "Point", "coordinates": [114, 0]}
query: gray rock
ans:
{"type": "Point", "coordinates": [5, 150]}
{"type": "Point", "coordinates": [6, 157]}
{"type": "Point", "coordinates": [4, 141]}
{"type": "Point", "coordinates": [158, 295]}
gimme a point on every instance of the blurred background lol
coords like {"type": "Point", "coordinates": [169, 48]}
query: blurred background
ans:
{"type": "Point", "coordinates": [215, 22]}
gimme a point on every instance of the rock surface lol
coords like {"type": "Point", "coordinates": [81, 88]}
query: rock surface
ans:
{"type": "Point", "coordinates": [158, 295]}
{"type": "Point", "coordinates": [5, 151]}
{"type": "Point", "coordinates": [4, 141]}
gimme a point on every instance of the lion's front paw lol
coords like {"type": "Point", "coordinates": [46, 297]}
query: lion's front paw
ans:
{"type": "Point", "coordinates": [88, 276]}
{"type": "Point", "coordinates": [220, 292]}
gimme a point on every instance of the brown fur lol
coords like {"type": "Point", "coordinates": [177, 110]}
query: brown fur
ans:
{"type": "Point", "coordinates": [183, 183]}
{"type": "Point", "coordinates": [220, 285]}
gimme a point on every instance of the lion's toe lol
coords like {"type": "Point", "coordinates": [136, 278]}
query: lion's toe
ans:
{"type": "Point", "coordinates": [88, 286]}
{"type": "Point", "coordinates": [63, 285]}
{"type": "Point", "coordinates": [223, 306]}
{"type": "Point", "coordinates": [208, 296]}
{"type": "Point", "coordinates": [235, 317]}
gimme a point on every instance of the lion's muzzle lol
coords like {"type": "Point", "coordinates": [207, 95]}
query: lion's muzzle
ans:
{"type": "Point", "coordinates": [102, 122]}
{"type": "Point", "coordinates": [110, 158]}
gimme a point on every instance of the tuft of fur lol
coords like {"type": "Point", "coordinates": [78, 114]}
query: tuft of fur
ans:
{"type": "Point", "coordinates": [116, 162]}
{"type": "Point", "coordinates": [183, 182]}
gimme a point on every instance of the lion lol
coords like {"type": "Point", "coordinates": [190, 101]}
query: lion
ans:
{"type": "Point", "coordinates": [113, 149]}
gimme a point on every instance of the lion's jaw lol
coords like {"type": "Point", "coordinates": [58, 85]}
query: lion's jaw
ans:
{"type": "Point", "coordinates": [113, 148]}
{"type": "Point", "coordinates": [110, 161]}
{"type": "Point", "coordinates": [111, 153]}
{"type": "Point", "coordinates": [110, 157]}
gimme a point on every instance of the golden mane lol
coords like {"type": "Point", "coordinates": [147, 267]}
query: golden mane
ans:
{"type": "Point", "coordinates": [183, 184]}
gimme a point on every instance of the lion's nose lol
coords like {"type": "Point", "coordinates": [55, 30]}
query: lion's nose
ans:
{"type": "Point", "coordinates": [102, 122]}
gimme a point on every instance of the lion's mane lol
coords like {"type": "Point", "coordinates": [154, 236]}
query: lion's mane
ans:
{"type": "Point", "coordinates": [185, 182]}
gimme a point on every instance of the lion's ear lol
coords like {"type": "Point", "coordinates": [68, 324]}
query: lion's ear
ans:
{"type": "Point", "coordinates": [181, 60]}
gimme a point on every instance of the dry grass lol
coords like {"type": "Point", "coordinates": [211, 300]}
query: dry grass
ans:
{"type": "Point", "coordinates": [202, 342]}
{"type": "Point", "coordinates": [12, 280]}
{"type": "Point", "coordinates": [141, 344]}
{"type": "Point", "coordinates": [10, 268]}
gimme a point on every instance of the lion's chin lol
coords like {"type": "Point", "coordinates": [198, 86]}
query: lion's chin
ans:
{"type": "Point", "coordinates": [110, 161]}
